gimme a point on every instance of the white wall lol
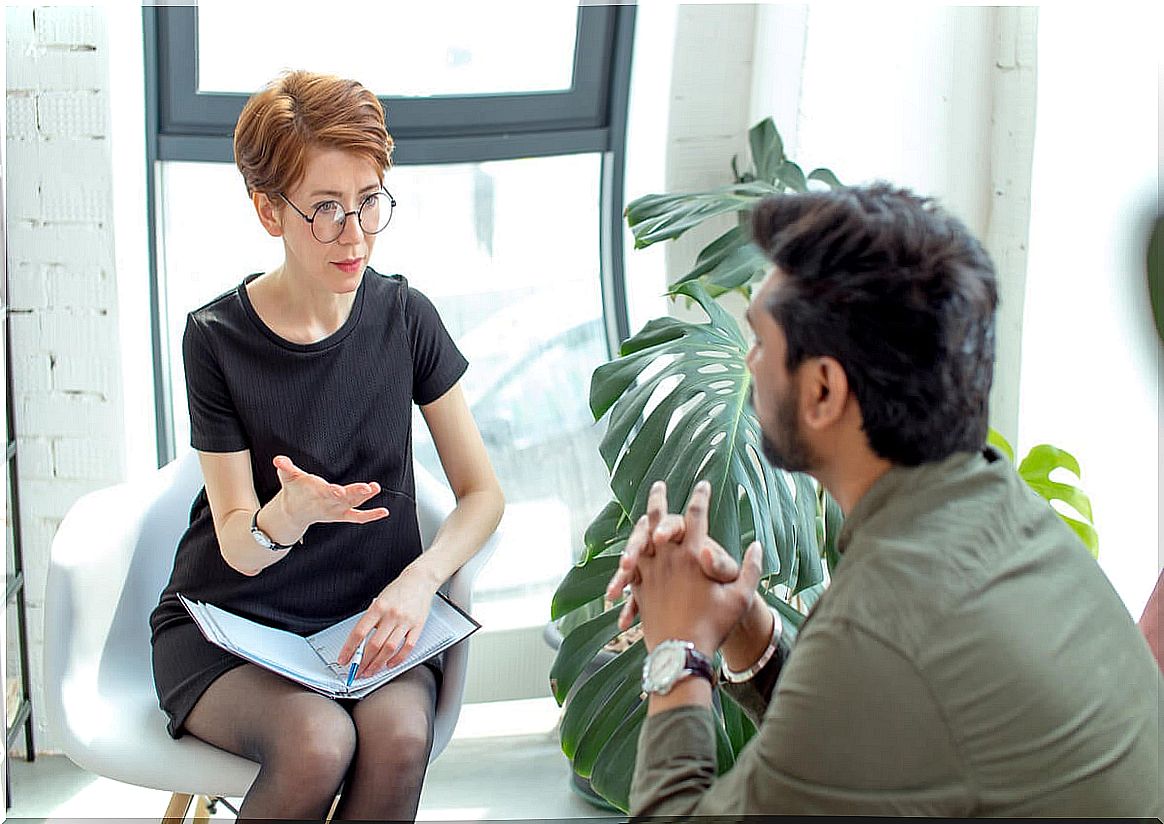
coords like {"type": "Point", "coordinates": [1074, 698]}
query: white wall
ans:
{"type": "Point", "coordinates": [68, 402]}
{"type": "Point", "coordinates": [1091, 357]}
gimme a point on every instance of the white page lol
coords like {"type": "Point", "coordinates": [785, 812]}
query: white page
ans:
{"type": "Point", "coordinates": [444, 627]}
{"type": "Point", "coordinates": [281, 650]}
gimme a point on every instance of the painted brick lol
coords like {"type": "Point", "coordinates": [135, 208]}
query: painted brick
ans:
{"type": "Point", "coordinates": [25, 330]}
{"type": "Point", "coordinates": [59, 69]}
{"type": "Point", "coordinates": [63, 330]}
{"type": "Point", "coordinates": [51, 500]}
{"type": "Point", "coordinates": [69, 26]}
{"type": "Point", "coordinates": [78, 203]}
{"type": "Point", "coordinates": [27, 286]}
{"type": "Point", "coordinates": [23, 183]}
{"type": "Point", "coordinates": [68, 163]}
{"type": "Point", "coordinates": [74, 114]}
{"type": "Point", "coordinates": [34, 458]}
{"type": "Point", "coordinates": [18, 28]}
{"type": "Point", "coordinates": [21, 123]}
{"type": "Point", "coordinates": [74, 372]}
{"type": "Point", "coordinates": [86, 458]}
{"type": "Point", "coordinates": [78, 287]}
{"type": "Point", "coordinates": [18, 44]}
{"type": "Point", "coordinates": [32, 373]}
{"type": "Point", "coordinates": [75, 246]}
{"type": "Point", "coordinates": [57, 414]}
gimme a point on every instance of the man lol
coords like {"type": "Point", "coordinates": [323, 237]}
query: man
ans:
{"type": "Point", "coordinates": [968, 657]}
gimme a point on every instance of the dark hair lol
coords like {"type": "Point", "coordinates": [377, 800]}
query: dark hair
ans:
{"type": "Point", "coordinates": [903, 296]}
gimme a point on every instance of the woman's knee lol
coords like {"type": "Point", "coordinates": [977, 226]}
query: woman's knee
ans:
{"type": "Point", "coordinates": [317, 746]}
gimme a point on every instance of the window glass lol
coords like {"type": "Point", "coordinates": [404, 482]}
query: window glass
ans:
{"type": "Point", "coordinates": [508, 252]}
{"type": "Point", "coordinates": [399, 49]}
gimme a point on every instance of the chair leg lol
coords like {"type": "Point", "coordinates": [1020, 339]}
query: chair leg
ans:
{"type": "Point", "coordinates": [331, 812]}
{"type": "Point", "coordinates": [201, 810]}
{"type": "Point", "coordinates": [176, 810]}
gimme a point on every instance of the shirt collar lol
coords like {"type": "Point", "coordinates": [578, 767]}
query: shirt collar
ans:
{"type": "Point", "coordinates": [901, 481]}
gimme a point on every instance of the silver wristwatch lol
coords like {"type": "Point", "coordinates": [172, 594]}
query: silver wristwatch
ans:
{"type": "Point", "coordinates": [672, 661]}
{"type": "Point", "coordinates": [263, 539]}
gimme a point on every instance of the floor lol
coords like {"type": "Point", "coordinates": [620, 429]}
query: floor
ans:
{"type": "Point", "coordinates": [503, 763]}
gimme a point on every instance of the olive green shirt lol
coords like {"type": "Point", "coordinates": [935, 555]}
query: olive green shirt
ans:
{"type": "Point", "coordinates": [969, 658]}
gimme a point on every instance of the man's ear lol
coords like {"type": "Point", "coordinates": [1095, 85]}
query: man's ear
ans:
{"type": "Point", "coordinates": [268, 215]}
{"type": "Point", "coordinates": [824, 392]}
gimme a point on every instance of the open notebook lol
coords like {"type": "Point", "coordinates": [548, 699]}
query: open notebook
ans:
{"type": "Point", "coordinates": [311, 660]}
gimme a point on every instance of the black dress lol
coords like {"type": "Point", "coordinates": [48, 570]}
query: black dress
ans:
{"type": "Point", "coordinates": [340, 408]}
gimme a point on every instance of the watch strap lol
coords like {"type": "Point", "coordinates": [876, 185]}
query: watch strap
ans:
{"type": "Point", "coordinates": [263, 539]}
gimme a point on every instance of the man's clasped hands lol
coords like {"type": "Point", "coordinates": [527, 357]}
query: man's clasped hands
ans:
{"type": "Point", "coordinates": [684, 585]}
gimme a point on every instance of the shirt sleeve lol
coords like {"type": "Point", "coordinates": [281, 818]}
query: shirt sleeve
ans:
{"type": "Point", "coordinates": [437, 363]}
{"type": "Point", "coordinates": [755, 694]}
{"type": "Point", "coordinates": [214, 420]}
{"type": "Point", "coordinates": [852, 729]}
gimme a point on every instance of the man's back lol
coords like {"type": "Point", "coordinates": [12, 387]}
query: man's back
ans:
{"type": "Point", "coordinates": [969, 658]}
{"type": "Point", "coordinates": [1047, 693]}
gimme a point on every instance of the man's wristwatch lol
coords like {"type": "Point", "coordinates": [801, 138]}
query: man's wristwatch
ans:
{"type": "Point", "coordinates": [672, 661]}
{"type": "Point", "coordinates": [262, 538]}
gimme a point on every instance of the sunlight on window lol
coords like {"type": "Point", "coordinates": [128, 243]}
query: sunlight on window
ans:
{"type": "Point", "coordinates": [399, 49]}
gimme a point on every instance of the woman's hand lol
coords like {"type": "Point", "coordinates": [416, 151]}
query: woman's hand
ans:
{"type": "Point", "coordinates": [395, 620]}
{"type": "Point", "coordinates": [307, 499]}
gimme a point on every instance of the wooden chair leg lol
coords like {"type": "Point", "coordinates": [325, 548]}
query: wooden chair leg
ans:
{"type": "Point", "coordinates": [176, 810]}
{"type": "Point", "coordinates": [201, 812]}
{"type": "Point", "coordinates": [331, 812]}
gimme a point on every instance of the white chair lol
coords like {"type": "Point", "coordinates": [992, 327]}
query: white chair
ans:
{"type": "Point", "coordinates": [111, 558]}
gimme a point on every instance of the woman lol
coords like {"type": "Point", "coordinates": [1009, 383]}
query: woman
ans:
{"type": "Point", "coordinates": [300, 385]}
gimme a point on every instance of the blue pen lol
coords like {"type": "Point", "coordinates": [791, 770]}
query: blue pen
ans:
{"type": "Point", "coordinates": [356, 659]}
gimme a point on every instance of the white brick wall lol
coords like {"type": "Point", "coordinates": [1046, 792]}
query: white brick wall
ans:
{"type": "Point", "coordinates": [65, 337]}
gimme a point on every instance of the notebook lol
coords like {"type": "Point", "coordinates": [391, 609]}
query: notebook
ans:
{"type": "Point", "coordinates": [311, 660]}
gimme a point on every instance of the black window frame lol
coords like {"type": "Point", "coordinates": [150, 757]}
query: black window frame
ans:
{"type": "Point", "coordinates": [183, 124]}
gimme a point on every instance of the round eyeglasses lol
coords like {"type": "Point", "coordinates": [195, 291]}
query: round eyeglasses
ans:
{"type": "Point", "coordinates": [328, 219]}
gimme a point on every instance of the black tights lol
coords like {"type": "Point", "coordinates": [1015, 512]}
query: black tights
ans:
{"type": "Point", "coordinates": [308, 745]}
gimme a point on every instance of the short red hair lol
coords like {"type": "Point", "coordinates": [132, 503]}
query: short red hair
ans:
{"type": "Point", "coordinates": [299, 111]}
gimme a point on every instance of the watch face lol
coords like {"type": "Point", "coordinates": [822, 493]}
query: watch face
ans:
{"type": "Point", "coordinates": [666, 663]}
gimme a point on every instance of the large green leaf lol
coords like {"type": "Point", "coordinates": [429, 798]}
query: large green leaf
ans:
{"type": "Point", "coordinates": [618, 707]}
{"type": "Point", "coordinates": [589, 708]}
{"type": "Point", "coordinates": [728, 262]}
{"type": "Point", "coordinates": [662, 217]}
{"type": "Point", "coordinates": [615, 766]}
{"type": "Point", "coordinates": [767, 149]}
{"type": "Point", "coordinates": [579, 648]}
{"type": "Point", "coordinates": [582, 584]}
{"type": "Point", "coordinates": [605, 532]}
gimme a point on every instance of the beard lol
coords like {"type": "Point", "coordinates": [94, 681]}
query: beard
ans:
{"type": "Point", "coordinates": [783, 445]}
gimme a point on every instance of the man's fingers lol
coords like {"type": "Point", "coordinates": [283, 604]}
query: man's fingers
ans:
{"type": "Point", "coordinates": [751, 568]}
{"type": "Point", "coordinates": [696, 515]}
{"type": "Point", "coordinates": [626, 615]}
{"type": "Point", "coordinates": [656, 505]}
{"type": "Point", "coordinates": [717, 564]}
{"type": "Point", "coordinates": [671, 528]}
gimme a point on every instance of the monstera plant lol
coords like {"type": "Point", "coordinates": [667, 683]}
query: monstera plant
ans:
{"type": "Point", "coordinates": [677, 398]}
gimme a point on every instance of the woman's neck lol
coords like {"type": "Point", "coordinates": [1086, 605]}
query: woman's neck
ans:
{"type": "Point", "coordinates": [296, 308]}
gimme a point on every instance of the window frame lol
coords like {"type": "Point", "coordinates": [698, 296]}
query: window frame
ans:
{"type": "Point", "coordinates": [185, 124]}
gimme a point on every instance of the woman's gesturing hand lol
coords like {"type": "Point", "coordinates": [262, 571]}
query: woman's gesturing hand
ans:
{"type": "Point", "coordinates": [392, 624]}
{"type": "Point", "coordinates": [308, 499]}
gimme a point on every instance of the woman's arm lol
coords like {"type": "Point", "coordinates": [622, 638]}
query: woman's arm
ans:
{"type": "Point", "coordinates": [302, 500]}
{"type": "Point", "coordinates": [395, 619]}
{"type": "Point", "coordinates": [480, 501]}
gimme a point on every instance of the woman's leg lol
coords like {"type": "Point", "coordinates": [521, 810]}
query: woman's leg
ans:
{"type": "Point", "coordinates": [303, 741]}
{"type": "Point", "coordinates": [394, 728]}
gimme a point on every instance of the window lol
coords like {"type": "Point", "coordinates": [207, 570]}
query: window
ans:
{"type": "Point", "coordinates": [508, 180]}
